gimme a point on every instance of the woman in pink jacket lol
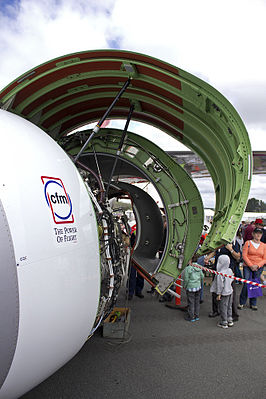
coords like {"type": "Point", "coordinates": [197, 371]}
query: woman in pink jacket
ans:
{"type": "Point", "coordinates": [254, 257]}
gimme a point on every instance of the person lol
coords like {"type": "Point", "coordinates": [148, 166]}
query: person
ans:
{"type": "Point", "coordinates": [136, 280]}
{"type": "Point", "coordinates": [263, 238]}
{"type": "Point", "coordinates": [232, 250]}
{"type": "Point", "coordinates": [248, 231]}
{"type": "Point", "coordinates": [242, 228]}
{"type": "Point", "coordinates": [192, 280]}
{"type": "Point", "coordinates": [240, 241]}
{"type": "Point", "coordinates": [136, 284]}
{"type": "Point", "coordinates": [254, 257]}
{"type": "Point", "coordinates": [200, 261]}
{"type": "Point", "coordinates": [222, 288]}
{"type": "Point", "coordinates": [260, 225]}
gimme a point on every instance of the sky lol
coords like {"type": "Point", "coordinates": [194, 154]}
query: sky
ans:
{"type": "Point", "coordinates": [222, 43]}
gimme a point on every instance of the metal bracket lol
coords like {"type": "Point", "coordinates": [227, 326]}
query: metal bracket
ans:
{"type": "Point", "coordinates": [164, 282]}
{"type": "Point", "coordinates": [170, 206]}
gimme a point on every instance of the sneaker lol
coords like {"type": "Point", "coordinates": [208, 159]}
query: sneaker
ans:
{"type": "Point", "coordinates": [240, 306]}
{"type": "Point", "coordinates": [222, 325]}
{"type": "Point", "coordinates": [196, 318]}
{"type": "Point", "coordinates": [230, 323]}
{"type": "Point", "coordinates": [139, 295]}
{"type": "Point", "coordinates": [188, 319]}
{"type": "Point", "coordinates": [253, 307]}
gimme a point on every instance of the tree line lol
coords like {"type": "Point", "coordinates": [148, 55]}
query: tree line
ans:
{"type": "Point", "coordinates": [255, 205]}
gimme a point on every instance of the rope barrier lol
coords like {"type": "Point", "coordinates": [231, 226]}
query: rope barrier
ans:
{"type": "Point", "coordinates": [225, 275]}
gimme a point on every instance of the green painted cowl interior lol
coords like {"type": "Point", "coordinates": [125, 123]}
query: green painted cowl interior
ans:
{"type": "Point", "coordinates": [76, 89]}
{"type": "Point", "coordinates": [180, 197]}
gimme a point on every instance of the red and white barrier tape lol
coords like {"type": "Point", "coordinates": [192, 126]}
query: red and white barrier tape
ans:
{"type": "Point", "coordinates": [233, 277]}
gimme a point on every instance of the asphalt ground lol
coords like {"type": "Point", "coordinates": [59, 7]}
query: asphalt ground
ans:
{"type": "Point", "coordinates": [164, 356]}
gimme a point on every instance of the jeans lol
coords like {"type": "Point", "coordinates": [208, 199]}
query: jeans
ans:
{"type": "Point", "coordinates": [215, 304]}
{"type": "Point", "coordinates": [234, 300]}
{"type": "Point", "coordinates": [193, 300]}
{"type": "Point", "coordinates": [244, 291]}
{"type": "Point", "coordinates": [237, 271]}
{"type": "Point", "coordinates": [201, 292]}
{"type": "Point", "coordinates": [135, 282]}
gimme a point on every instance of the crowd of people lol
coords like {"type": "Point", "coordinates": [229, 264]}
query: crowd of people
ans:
{"type": "Point", "coordinates": [248, 249]}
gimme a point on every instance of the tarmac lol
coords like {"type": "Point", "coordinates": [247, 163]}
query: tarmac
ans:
{"type": "Point", "coordinates": [163, 356]}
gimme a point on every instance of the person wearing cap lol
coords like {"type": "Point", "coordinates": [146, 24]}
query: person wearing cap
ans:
{"type": "Point", "coordinates": [259, 224]}
{"type": "Point", "coordinates": [254, 257]}
{"type": "Point", "coordinates": [249, 229]}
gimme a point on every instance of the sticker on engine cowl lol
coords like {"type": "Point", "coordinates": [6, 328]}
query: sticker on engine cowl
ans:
{"type": "Point", "coordinates": [58, 200]}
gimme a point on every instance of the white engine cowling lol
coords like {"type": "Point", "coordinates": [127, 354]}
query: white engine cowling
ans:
{"type": "Point", "coordinates": [50, 266]}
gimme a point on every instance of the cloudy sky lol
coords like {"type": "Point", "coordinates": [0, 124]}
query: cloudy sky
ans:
{"type": "Point", "coordinates": [223, 43]}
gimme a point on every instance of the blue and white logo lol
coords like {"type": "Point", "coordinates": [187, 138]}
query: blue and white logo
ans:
{"type": "Point", "coordinates": [58, 200]}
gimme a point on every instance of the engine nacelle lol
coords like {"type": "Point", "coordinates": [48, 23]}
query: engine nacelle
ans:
{"type": "Point", "coordinates": [62, 255]}
{"type": "Point", "coordinates": [49, 268]}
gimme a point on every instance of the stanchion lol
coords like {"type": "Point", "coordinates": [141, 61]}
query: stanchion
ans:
{"type": "Point", "coordinates": [178, 291]}
{"type": "Point", "coordinates": [177, 303]}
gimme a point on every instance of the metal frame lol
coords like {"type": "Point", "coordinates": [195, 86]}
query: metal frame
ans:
{"type": "Point", "coordinates": [76, 89]}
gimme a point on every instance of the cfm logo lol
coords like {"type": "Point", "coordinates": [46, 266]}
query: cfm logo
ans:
{"type": "Point", "coordinates": [58, 200]}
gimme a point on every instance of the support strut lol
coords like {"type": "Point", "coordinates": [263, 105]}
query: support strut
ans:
{"type": "Point", "coordinates": [119, 148]}
{"type": "Point", "coordinates": [99, 124]}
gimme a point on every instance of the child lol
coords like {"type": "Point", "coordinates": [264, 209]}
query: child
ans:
{"type": "Point", "coordinates": [222, 287]}
{"type": "Point", "coordinates": [192, 280]}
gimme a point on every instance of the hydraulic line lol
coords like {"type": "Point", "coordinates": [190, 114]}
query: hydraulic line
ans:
{"type": "Point", "coordinates": [99, 173]}
{"type": "Point", "coordinates": [107, 255]}
{"type": "Point", "coordinates": [108, 258]}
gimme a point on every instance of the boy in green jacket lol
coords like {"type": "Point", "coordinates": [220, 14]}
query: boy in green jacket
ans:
{"type": "Point", "coordinates": [192, 279]}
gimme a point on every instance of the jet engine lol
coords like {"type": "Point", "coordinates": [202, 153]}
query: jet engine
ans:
{"type": "Point", "coordinates": [64, 255]}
